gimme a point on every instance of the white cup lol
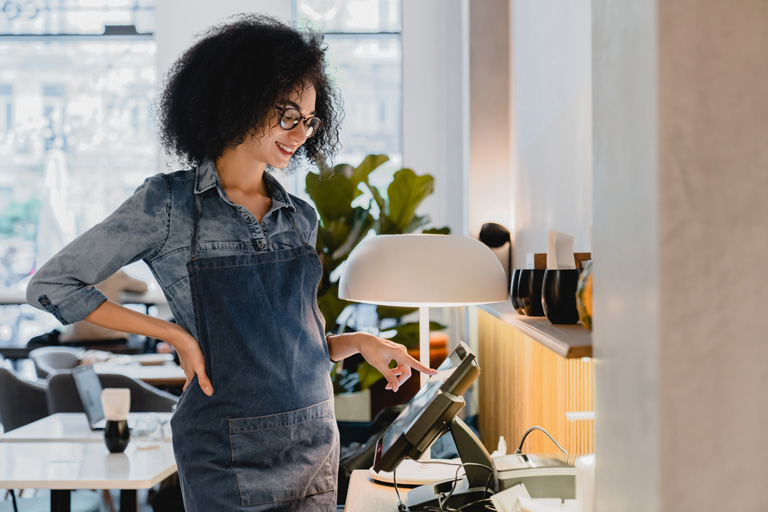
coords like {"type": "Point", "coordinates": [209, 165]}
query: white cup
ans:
{"type": "Point", "coordinates": [116, 403]}
{"type": "Point", "coordinates": [585, 483]}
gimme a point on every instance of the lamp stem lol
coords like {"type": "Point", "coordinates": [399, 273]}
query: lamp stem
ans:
{"type": "Point", "coordinates": [424, 358]}
{"type": "Point", "coordinates": [423, 342]}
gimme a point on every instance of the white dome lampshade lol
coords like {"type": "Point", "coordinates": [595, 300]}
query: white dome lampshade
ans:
{"type": "Point", "coordinates": [423, 270]}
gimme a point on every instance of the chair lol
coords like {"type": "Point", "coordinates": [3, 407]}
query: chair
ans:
{"type": "Point", "coordinates": [21, 401]}
{"type": "Point", "coordinates": [62, 394]}
{"type": "Point", "coordinates": [49, 360]}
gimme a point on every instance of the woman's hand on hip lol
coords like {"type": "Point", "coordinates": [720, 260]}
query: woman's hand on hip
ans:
{"type": "Point", "coordinates": [192, 360]}
{"type": "Point", "coordinates": [119, 318]}
{"type": "Point", "coordinates": [379, 352]}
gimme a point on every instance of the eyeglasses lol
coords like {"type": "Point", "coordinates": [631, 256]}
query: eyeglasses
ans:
{"type": "Point", "coordinates": [290, 117]}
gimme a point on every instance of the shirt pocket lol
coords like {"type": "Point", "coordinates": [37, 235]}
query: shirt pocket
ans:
{"type": "Point", "coordinates": [285, 457]}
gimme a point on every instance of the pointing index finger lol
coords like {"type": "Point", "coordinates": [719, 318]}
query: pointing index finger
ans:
{"type": "Point", "coordinates": [410, 361]}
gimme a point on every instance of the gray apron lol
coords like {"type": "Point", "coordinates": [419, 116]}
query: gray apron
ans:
{"type": "Point", "coordinates": [267, 438]}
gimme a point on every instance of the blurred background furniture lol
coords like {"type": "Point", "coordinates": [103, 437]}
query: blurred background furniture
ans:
{"type": "Point", "coordinates": [81, 501]}
{"type": "Point", "coordinates": [62, 395]}
{"type": "Point", "coordinates": [49, 360]}
{"type": "Point", "coordinates": [167, 375]}
{"type": "Point", "coordinates": [37, 465]}
{"type": "Point", "coordinates": [21, 401]}
{"type": "Point", "coordinates": [73, 427]}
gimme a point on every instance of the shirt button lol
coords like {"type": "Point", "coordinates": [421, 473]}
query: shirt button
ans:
{"type": "Point", "coordinates": [261, 244]}
{"type": "Point", "coordinates": [44, 301]}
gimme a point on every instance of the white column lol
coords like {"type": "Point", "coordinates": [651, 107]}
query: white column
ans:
{"type": "Point", "coordinates": [681, 243]}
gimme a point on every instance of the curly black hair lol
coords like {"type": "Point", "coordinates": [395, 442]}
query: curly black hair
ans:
{"type": "Point", "coordinates": [226, 85]}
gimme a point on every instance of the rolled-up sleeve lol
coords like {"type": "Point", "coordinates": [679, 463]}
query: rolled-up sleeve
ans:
{"type": "Point", "coordinates": [63, 286]}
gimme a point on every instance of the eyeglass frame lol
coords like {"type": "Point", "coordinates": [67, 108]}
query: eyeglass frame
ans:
{"type": "Point", "coordinates": [301, 118]}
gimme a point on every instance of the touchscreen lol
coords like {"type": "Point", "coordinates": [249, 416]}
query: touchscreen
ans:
{"type": "Point", "coordinates": [417, 404]}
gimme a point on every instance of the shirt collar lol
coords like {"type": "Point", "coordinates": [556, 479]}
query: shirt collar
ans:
{"type": "Point", "coordinates": [207, 178]}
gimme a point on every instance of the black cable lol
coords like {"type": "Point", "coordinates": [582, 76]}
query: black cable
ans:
{"type": "Point", "coordinates": [442, 498]}
{"type": "Point", "coordinates": [400, 505]}
{"type": "Point", "coordinates": [471, 504]}
{"type": "Point", "coordinates": [13, 498]}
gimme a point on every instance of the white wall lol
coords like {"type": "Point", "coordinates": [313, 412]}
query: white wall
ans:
{"type": "Point", "coordinates": [436, 104]}
{"type": "Point", "coordinates": [490, 125]}
{"type": "Point", "coordinates": [552, 164]}
{"type": "Point", "coordinates": [681, 241]}
{"type": "Point", "coordinates": [626, 238]}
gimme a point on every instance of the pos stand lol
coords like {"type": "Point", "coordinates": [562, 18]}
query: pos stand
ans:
{"type": "Point", "coordinates": [480, 472]}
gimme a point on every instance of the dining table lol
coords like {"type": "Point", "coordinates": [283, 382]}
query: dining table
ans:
{"type": "Point", "coordinates": [61, 453]}
{"type": "Point", "coordinates": [165, 374]}
{"type": "Point", "coordinates": [147, 428]}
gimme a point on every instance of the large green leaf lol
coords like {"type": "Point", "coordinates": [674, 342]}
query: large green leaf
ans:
{"type": "Point", "coordinates": [416, 222]}
{"type": "Point", "coordinates": [331, 306]}
{"type": "Point", "coordinates": [386, 226]}
{"type": "Point", "coordinates": [331, 195]}
{"type": "Point", "coordinates": [445, 230]}
{"type": "Point", "coordinates": [380, 201]}
{"type": "Point", "coordinates": [333, 234]}
{"type": "Point", "coordinates": [344, 170]}
{"type": "Point", "coordinates": [405, 194]}
{"type": "Point", "coordinates": [369, 164]}
{"type": "Point", "coordinates": [359, 223]}
{"type": "Point", "coordinates": [368, 375]}
{"type": "Point", "coordinates": [393, 311]}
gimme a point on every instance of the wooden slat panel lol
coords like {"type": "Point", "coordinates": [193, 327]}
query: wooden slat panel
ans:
{"type": "Point", "coordinates": [523, 384]}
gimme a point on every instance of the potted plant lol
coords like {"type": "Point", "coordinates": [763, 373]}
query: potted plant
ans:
{"type": "Point", "coordinates": [347, 216]}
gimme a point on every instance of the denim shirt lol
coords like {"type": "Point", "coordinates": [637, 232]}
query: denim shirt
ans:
{"type": "Point", "coordinates": [155, 225]}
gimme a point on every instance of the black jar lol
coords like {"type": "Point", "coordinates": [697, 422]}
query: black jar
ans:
{"type": "Point", "coordinates": [559, 295]}
{"type": "Point", "coordinates": [514, 292]}
{"type": "Point", "coordinates": [529, 291]}
{"type": "Point", "coordinates": [117, 435]}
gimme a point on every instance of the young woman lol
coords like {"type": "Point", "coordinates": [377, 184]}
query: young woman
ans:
{"type": "Point", "coordinates": [234, 254]}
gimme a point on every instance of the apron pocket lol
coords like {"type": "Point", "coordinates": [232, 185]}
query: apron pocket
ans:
{"type": "Point", "coordinates": [287, 456]}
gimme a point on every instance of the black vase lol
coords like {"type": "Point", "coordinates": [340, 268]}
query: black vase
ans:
{"type": "Point", "coordinates": [529, 291]}
{"type": "Point", "coordinates": [117, 435]}
{"type": "Point", "coordinates": [559, 295]}
{"type": "Point", "coordinates": [514, 295]}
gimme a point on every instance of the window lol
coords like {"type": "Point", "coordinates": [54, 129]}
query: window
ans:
{"type": "Point", "coordinates": [365, 59]}
{"type": "Point", "coordinates": [77, 83]}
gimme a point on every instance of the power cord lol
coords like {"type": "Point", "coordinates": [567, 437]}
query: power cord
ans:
{"type": "Point", "coordinates": [442, 498]}
{"type": "Point", "coordinates": [520, 448]}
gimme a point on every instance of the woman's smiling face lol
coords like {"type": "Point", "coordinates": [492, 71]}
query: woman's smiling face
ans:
{"type": "Point", "coordinates": [276, 146]}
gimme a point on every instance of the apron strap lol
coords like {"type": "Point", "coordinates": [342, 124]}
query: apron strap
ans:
{"type": "Point", "coordinates": [295, 227]}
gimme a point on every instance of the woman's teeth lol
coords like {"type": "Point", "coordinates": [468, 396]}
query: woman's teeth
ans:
{"type": "Point", "coordinates": [285, 148]}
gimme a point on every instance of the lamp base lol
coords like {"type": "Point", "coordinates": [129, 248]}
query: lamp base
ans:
{"type": "Point", "coordinates": [419, 472]}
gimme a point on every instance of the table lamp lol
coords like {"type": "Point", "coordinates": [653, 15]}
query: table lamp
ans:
{"type": "Point", "coordinates": [423, 271]}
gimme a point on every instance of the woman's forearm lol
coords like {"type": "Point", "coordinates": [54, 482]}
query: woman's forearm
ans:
{"type": "Point", "coordinates": [119, 318]}
{"type": "Point", "coordinates": [341, 346]}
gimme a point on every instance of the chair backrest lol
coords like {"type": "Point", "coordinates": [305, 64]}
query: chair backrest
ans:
{"type": "Point", "coordinates": [49, 360]}
{"type": "Point", "coordinates": [62, 395]}
{"type": "Point", "coordinates": [21, 401]}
